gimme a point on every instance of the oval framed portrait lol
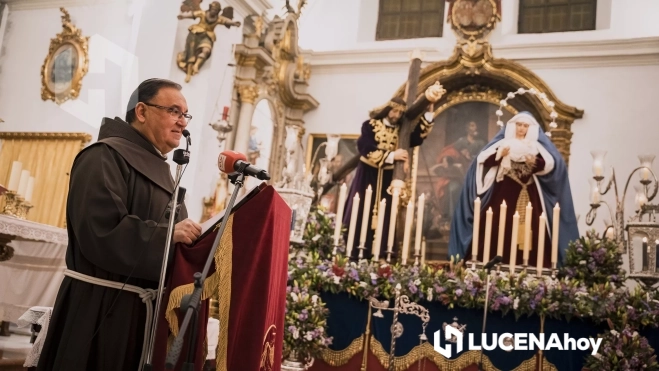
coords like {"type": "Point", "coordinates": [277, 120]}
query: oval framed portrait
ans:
{"type": "Point", "coordinates": [66, 64]}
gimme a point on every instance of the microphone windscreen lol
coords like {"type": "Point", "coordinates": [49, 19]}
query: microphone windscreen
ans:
{"type": "Point", "coordinates": [186, 133]}
{"type": "Point", "coordinates": [227, 160]}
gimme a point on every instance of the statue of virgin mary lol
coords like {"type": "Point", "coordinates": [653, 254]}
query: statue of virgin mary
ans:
{"type": "Point", "coordinates": [519, 166]}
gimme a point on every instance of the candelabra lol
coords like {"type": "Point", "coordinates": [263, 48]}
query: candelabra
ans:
{"type": "Point", "coordinates": [635, 226]}
{"type": "Point", "coordinates": [402, 305]}
{"type": "Point", "coordinates": [222, 126]}
{"type": "Point", "coordinates": [11, 204]}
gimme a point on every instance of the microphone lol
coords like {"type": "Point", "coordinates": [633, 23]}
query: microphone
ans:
{"type": "Point", "coordinates": [497, 259]}
{"type": "Point", "coordinates": [186, 134]}
{"type": "Point", "coordinates": [232, 162]}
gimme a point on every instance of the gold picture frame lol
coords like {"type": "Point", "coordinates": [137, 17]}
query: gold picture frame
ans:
{"type": "Point", "coordinates": [66, 64]}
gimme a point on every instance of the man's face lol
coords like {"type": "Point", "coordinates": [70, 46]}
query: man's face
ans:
{"type": "Point", "coordinates": [522, 129]}
{"type": "Point", "coordinates": [394, 115]}
{"type": "Point", "coordinates": [162, 125]}
{"type": "Point", "coordinates": [472, 129]}
{"type": "Point", "coordinates": [215, 9]}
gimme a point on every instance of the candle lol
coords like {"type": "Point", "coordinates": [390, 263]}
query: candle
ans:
{"type": "Point", "coordinates": [541, 243]}
{"type": "Point", "coordinates": [598, 168]}
{"type": "Point", "coordinates": [353, 224]}
{"type": "Point", "coordinates": [392, 221]}
{"type": "Point", "coordinates": [646, 254]}
{"type": "Point", "coordinates": [554, 235]}
{"type": "Point", "coordinates": [365, 217]}
{"type": "Point", "coordinates": [30, 189]}
{"type": "Point", "coordinates": [419, 224]}
{"type": "Point", "coordinates": [527, 232]}
{"type": "Point", "coordinates": [339, 213]}
{"type": "Point", "coordinates": [477, 221]}
{"type": "Point", "coordinates": [14, 176]}
{"type": "Point", "coordinates": [656, 253]}
{"type": "Point", "coordinates": [22, 183]}
{"type": "Point", "coordinates": [378, 231]}
{"type": "Point", "coordinates": [488, 235]}
{"type": "Point", "coordinates": [502, 227]}
{"type": "Point", "coordinates": [595, 196]}
{"type": "Point", "coordinates": [423, 251]}
{"type": "Point", "coordinates": [513, 242]}
{"type": "Point", "coordinates": [409, 215]}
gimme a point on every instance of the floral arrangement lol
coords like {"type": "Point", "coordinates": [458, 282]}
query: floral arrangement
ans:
{"type": "Point", "coordinates": [590, 285]}
{"type": "Point", "coordinates": [624, 350]}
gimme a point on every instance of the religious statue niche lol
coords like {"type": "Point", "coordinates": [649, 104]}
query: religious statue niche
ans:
{"type": "Point", "coordinates": [66, 64]}
{"type": "Point", "coordinates": [201, 36]}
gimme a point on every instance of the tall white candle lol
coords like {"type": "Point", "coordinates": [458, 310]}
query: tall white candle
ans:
{"type": "Point", "coordinates": [353, 224]}
{"type": "Point", "coordinates": [392, 220]}
{"type": "Point", "coordinates": [477, 221]}
{"type": "Point", "coordinates": [30, 189]}
{"type": "Point", "coordinates": [502, 227]}
{"type": "Point", "coordinates": [22, 183]}
{"type": "Point", "coordinates": [409, 215]}
{"type": "Point", "coordinates": [377, 242]}
{"type": "Point", "coordinates": [14, 176]}
{"type": "Point", "coordinates": [339, 213]}
{"type": "Point", "coordinates": [513, 242]}
{"type": "Point", "coordinates": [488, 236]}
{"type": "Point", "coordinates": [365, 216]}
{"type": "Point", "coordinates": [527, 232]}
{"type": "Point", "coordinates": [423, 251]}
{"type": "Point", "coordinates": [541, 243]}
{"type": "Point", "coordinates": [419, 223]}
{"type": "Point", "coordinates": [554, 234]}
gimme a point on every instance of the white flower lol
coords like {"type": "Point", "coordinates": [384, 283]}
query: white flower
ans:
{"type": "Point", "coordinates": [503, 102]}
{"type": "Point", "coordinates": [398, 287]}
{"type": "Point", "coordinates": [309, 336]}
{"type": "Point", "coordinates": [511, 95]}
{"type": "Point", "coordinates": [532, 90]}
{"type": "Point", "coordinates": [325, 273]}
{"type": "Point", "coordinates": [374, 276]}
{"type": "Point", "coordinates": [429, 294]}
{"type": "Point", "coordinates": [499, 122]}
{"type": "Point", "coordinates": [296, 334]}
{"type": "Point", "coordinates": [417, 282]}
{"type": "Point", "coordinates": [315, 238]}
{"type": "Point", "coordinates": [582, 262]}
{"type": "Point", "coordinates": [295, 297]}
{"type": "Point", "coordinates": [516, 303]}
{"type": "Point", "coordinates": [362, 284]}
{"type": "Point", "coordinates": [337, 280]}
{"type": "Point", "coordinates": [615, 333]}
{"type": "Point", "coordinates": [520, 91]}
{"type": "Point", "coordinates": [499, 112]}
{"type": "Point", "coordinates": [314, 299]}
{"type": "Point", "coordinates": [543, 95]}
{"type": "Point", "coordinates": [550, 104]}
{"type": "Point", "coordinates": [553, 115]}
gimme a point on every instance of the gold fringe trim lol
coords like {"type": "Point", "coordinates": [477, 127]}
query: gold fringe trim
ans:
{"type": "Point", "coordinates": [468, 358]}
{"type": "Point", "coordinates": [220, 281]}
{"type": "Point", "coordinates": [338, 358]}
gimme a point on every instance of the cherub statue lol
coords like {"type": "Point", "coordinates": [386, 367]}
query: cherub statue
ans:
{"type": "Point", "coordinates": [201, 36]}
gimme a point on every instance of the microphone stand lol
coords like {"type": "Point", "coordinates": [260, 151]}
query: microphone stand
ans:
{"type": "Point", "coordinates": [181, 157]}
{"type": "Point", "coordinates": [192, 301]}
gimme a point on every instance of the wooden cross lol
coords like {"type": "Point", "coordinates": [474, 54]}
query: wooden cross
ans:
{"type": "Point", "coordinates": [407, 125]}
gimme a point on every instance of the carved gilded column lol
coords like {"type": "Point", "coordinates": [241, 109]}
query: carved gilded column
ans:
{"type": "Point", "coordinates": [247, 95]}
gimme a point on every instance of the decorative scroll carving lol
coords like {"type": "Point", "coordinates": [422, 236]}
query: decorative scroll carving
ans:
{"type": "Point", "coordinates": [248, 93]}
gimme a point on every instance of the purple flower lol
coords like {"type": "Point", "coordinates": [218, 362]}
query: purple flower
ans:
{"type": "Point", "coordinates": [296, 290]}
{"type": "Point", "coordinates": [458, 292]}
{"type": "Point", "coordinates": [439, 289]}
{"type": "Point", "coordinates": [288, 289]}
{"type": "Point", "coordinates": [353, 274]}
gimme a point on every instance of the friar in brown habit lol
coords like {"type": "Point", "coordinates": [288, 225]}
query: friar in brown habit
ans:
{"type": "Point", "coordinates": [116, 217]}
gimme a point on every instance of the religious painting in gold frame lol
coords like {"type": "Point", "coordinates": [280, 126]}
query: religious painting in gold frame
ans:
{"type": "Point", "coordinates": [66, 64]}
{"type": "Point", "coordinates": [463, 126]}
{"type": "Point", "coordinates": [347, 150]}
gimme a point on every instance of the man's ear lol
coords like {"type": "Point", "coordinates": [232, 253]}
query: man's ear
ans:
{"type": "Point", "coordinates": [140, 112]}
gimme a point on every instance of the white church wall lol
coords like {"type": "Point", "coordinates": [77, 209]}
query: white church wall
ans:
{"type": "Point", "coordinates": [25, 47]}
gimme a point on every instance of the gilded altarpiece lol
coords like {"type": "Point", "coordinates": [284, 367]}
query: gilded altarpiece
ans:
{"type": "Point", "coordinates": [270, 66]}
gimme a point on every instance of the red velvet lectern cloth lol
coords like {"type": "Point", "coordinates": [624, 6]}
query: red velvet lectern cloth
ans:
{"type": "Point", "coordinates": [252, 269]}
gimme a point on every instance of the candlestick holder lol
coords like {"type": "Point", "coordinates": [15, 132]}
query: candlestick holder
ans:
{"type": "Point", "coordinates": [23, 208]}
{"type": "Point", "coordinates": [554, 270]}
{"type": "Point", "coordinates": [417, 256]}
{"type": "Point", "coordinates": [11, 204]}
{"type": "Point", "coordinates": [361, 251]}
{"type": "Point", "coordinates": [525, 265]}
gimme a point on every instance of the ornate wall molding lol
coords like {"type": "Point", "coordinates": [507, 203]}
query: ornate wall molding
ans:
{"type": "Point", "coordinates": [270, 60]}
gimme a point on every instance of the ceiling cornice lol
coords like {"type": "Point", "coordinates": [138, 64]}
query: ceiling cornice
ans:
{"type": "Point", "coordinates": [623, 52]}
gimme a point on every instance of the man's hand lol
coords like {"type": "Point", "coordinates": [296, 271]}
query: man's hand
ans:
{"type": "Point", "coordinates": [186, 231]}
{"type": "Point", "coordinates": [435, 92]}
{"type": "Point", "coordinates": [400, 155]}
{"type": "Point", "coordinates": [505, 151]}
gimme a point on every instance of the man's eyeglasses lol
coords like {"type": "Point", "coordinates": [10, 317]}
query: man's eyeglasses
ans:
{"type": "Point", "coordinates": [173, 111]}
